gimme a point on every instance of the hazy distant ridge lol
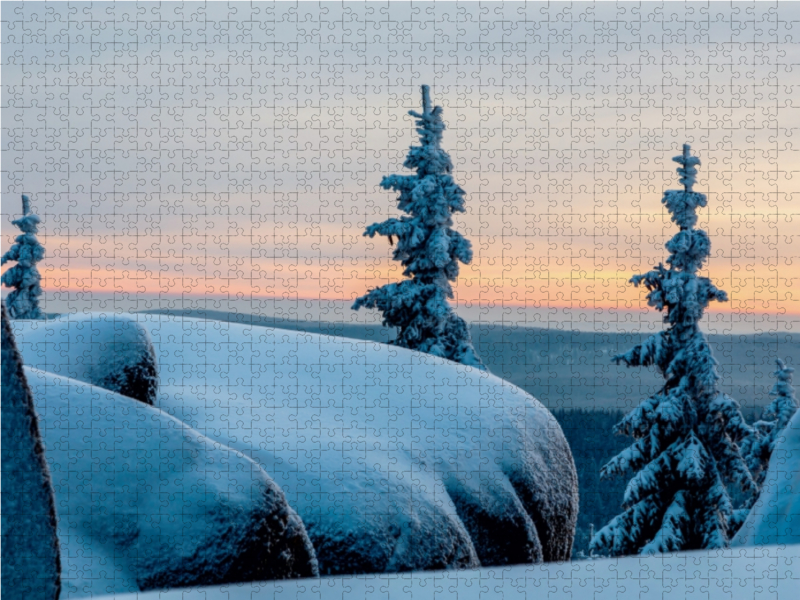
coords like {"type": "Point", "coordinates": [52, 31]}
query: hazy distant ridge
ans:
{"type": "Point", "coordinates": [573, 369]}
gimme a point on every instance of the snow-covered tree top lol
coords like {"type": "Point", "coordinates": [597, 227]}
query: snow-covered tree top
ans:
{"type": "Point", "coordinates": [683, 203]}
{"type": "Point", "coordinates": [783, 387]}
{"type": "Point", "coordinates": [687, 169]}
{"type": "Point", "coordinates": [428, 158]}
{"type": "Point", "coordinates": [22, 302]}
{"type": "Point", "coordinates": [679, 289]}
{"type": "Point", "coordinates": [28, 222]}
{"type": "Point", "coordinates": [427, 246]}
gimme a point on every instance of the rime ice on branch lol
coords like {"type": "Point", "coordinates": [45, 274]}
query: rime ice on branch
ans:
{"type": "Point", "coordinates": [23, 302]}
{"type": "Point", "coordinates": [685, 455]}
{"type": "Point", "coordinates": [428, 247]}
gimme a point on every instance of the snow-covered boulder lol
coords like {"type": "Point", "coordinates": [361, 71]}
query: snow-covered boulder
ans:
{"type": "Point", "coordinates": [146, 502]}
{"type": "Point", "coordinates": [395, 460]}
{"type": "Point", "coordinates": [775, 517]}
{"type": "Point", "coordinates": [107, 350]}
{"type": "Point", "coordinates": [31, 566]}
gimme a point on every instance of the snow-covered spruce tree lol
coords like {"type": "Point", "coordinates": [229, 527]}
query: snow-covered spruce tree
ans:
{"type": "Point", "coordinates": [685, 453]}
{"type": "Point", "coordinates": [759, 445]}
{"type": "Point", "coordinates": [428, 247]}
{"type": "Point", "coordinates": [23, 302]}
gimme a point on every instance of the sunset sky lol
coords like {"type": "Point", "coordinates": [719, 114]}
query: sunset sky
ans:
{"type": "Point", "coordinates": [235, 150]}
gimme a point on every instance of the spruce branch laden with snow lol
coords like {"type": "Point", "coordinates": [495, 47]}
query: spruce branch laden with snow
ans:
{"type": "Point", "coordinates": [759, 445]}
{"type": "Point", "coordinates": [428, 247]}
{"type": "Point", "coordinates": [685, 455]}
{"type": "Point", "coordinates": [23, 301]}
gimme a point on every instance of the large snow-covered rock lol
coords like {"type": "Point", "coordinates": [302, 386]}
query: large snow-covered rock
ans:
{"type": "Point", "coordinates": [775, 517]}
{"type": "Point", "coordinates": [146, 502]}
{"type": "Point", "coordinates": [394, 459]}
{"type": "Point", "coordinates": [107, 350]}
{"type": "Point", "coordinates": [31, 566]}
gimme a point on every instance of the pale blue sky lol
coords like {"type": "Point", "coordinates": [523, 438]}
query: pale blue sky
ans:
{"type": "Point", "coordinates": [237, 148]}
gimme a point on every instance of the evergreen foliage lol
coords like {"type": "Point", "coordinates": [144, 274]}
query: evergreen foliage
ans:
{"type": "Point", "coordinates": [759, 446]}
{"type": "Point", "coordinates": [23, 302]}
{"type": "Point", "coordinates": [428, 247]}
{"type": "Point", "coordinates": [685, 453]}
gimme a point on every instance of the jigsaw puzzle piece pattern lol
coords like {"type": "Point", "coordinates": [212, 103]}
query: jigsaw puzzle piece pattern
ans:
{"type": "Point", "coordinates": [775, 517]}
{"type": "Point", "coordinates": [395, 460]}
{"type": "Point", "coordinates": [111, 351]}
{"type": "Point", "coordinates": [146, 502]}
{"type": "Point", "coordinates": [31, 567]}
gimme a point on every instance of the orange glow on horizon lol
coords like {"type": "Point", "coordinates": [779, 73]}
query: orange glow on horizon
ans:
{"type": "Point", "coordinates": [534, 293]}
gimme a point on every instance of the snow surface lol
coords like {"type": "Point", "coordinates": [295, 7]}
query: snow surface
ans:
{"type": "Point", "coordinates": [769, 573]}
{"type": "Point", "coordinates": [30, 554]}
{"type": "Point", "coordinates": [146, 502]}
{"type": "Point", "coordinates": [107, 350]}
{"type": "Point", "coordinates": [394, 459]}
{"type": "Point", "coordinates": [775, 517]}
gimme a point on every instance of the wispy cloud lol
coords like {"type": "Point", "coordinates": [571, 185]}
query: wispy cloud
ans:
{"type": "Point", "coordinates": [240, 146]}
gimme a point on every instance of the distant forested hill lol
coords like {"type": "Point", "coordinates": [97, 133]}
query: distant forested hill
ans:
{"type": "Point", "coordinates": [573, 369]}
{"type": "Point", "coordinates": [588, 433]}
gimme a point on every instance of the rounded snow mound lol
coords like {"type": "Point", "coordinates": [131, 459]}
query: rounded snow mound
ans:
{"type": "Point", "coordinates": [145, 502]}
{"type": "Point", "coordinates": [775, 517]}
{"type": "Point", "coordinates": [395, 460]}
{"type": "Point", "coordinates": [107, 350]}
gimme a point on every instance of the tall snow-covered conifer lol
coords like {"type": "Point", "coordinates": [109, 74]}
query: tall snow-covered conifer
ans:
{"type": "Point", "coordinates": [428, 247]}
{"type": "Point", "coordinates": [685, 453]}
{"type": "Point", "coordinates": [758, 447]}
{"type": "Point", "coordinates": [23, 302]}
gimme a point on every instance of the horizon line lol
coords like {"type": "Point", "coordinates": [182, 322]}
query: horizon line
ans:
{"type": "Point", "coordinates": [721, 308]}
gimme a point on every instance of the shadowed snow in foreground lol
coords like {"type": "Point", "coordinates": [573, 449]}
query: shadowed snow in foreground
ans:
{"type": "Point", "coordinates": [768, 573]}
